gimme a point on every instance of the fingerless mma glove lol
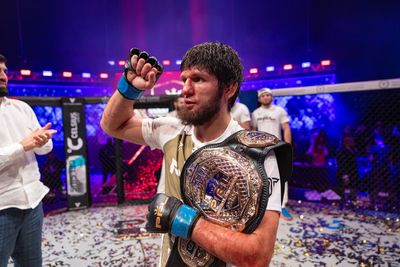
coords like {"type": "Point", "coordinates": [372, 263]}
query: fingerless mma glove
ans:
{"type": "Point", "coordinates": [169, 215]}
{"type": "Point", "coordinates": [125, 88]}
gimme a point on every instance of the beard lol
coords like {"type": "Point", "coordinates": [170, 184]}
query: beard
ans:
{"type": "Point", "coordinates": [3, 91]}
{"type": "Point", "coordinates": [189, 117]}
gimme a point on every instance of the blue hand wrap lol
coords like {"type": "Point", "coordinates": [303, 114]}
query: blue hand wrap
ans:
{"type": "Point", "coordinates": [183, 221]}
{"type": "Point", "coordinates": [127, 90]}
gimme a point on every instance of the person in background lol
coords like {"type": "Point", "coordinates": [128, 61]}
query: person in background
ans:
{"type": "Point", "coordinates": [380, 167]}
{"type": "Point", "coordinates": [21, 191]}
{"type": "Point", "coordinates": [347, 171]}
{"type": "Point", "coordinates": [179, 103]}
{"type": "Point", "coordinates": [273, 119]}
{"type": "Point", "coordinates": [211, 75]}
{"type": "Point", "coordinates": [318, 150]}
{"type": "Point", "coordinates": [240, 113]}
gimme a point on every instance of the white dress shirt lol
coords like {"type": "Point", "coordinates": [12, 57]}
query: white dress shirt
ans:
{"type": "Point", "coordinates": [20, 186]}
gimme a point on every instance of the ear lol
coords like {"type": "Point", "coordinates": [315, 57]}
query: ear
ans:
{"type": "Point", "coordinates": [230, 90]}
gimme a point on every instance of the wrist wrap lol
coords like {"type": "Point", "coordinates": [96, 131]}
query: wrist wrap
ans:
{"type": "Point", "coordinates": [127, 90]}
{"type": "Point", "coordinates": [184, 221]}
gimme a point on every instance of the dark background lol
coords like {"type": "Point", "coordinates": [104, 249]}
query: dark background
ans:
{"type": "Point", "coordinates": [361, 37]}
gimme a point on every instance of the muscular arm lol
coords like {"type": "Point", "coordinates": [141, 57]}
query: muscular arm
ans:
{"type": "Point", "coordinates": [240, 249]}
{"type": "Point", "coordinates": [118, 120]}
{"type": "Point", "coordinates": [287, 133]}
{"type": "Point", "coordinates": [234, 247]}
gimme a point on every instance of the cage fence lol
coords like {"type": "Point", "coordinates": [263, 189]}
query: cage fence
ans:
{"type": "Point", "coordinates": [346, 145]}
{"type": "Point", "coordinates": [346, 148]}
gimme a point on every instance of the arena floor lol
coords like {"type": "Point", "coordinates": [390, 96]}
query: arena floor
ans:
{"type": "Point", "coordinates": [319, 235]}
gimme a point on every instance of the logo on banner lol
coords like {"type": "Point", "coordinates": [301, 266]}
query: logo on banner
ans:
{"type": "Point", "coordinates": [74, 142]}
{"type": "Point", "coordinates": [76, 175]}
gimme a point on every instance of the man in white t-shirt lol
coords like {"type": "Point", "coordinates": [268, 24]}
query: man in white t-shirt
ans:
{"type": "Point", "coordinates": [273, 119]}
{"type": "Point", "coordinates": [240, 113]}
{"type": "Point", "coordinates": [211, 74]}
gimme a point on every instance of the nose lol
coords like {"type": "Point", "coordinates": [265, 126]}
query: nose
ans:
{"type": "Point", "coordinates": [187, 87]}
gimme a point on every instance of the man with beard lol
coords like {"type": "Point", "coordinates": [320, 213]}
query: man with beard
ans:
{"type": "Point", "coordinates": [21, 192]}
{"type": "Point", "coordinates": [273, 119]}
{"type": "Point", "coordinates": [211, 74]}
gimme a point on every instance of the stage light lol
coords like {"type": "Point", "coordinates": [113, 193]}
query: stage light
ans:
{"type": "Point", "coordinates": [166, 62]}
{"type": "Point", "coordinates": [288, 67]}
{"type": "Point", "coordinates": [270, 68]}
{"type": "Point", "coordinates": [26, 72]}
{"type": "Point", "coordinates": [47, 73]}
{"type": "Point", "coordinates": [326, 62]}
{"type": "Point", "coordinates": [67, 74]}
{"type": "Point", "coordinates": [253, 70]}
{"type": "Point", "coordinates": [111, 62]}
{"type": "Point", "coordinates": [178, 62]}
{"type": "Point", "coordinates": [305, 64]}
{"type": "Point", "coordinates": [86, 75]}
{"type": "Point", "coordinates": [104, 75]}
{"type": "Point", "coordinates": [121, 62]}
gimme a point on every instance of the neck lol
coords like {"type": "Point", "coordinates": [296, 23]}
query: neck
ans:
{"type": "Point", "coordinates": [214, 128]}
{"type": "Point", "coordinates": [266, 105]}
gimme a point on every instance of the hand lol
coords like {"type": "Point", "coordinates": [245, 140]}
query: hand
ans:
{"type": "Point", "coordinates": [38, 137]}
{"type": "Point", "coordinates": [169, 214]}
{"type": "Point", "coordinates": [141, 70]}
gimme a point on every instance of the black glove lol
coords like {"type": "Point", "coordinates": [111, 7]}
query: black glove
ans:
{"type": "Point", "coordinates": [126, 89]}
{"type": "Point", "coordinates": [151, 60]}
{"type": "Point", "coordinates": [169, 214]}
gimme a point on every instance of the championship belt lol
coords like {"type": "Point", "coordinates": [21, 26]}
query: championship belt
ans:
{"type": "Point", "coordinates": [227, 183]}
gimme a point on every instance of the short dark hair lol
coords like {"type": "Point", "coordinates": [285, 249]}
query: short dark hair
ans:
{"type": "Point", "coordinates": [3, 59]}
{"type": "Point", "coordinates": [218, 59]}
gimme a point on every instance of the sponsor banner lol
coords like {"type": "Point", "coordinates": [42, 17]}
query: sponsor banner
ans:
{"type": "Point", "coordinates": [76, 153]}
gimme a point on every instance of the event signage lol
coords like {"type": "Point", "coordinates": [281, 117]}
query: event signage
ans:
{"type": "Point", "coordinates": [78, 194]}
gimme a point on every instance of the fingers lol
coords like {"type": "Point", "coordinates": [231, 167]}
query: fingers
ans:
{"type": "Point", "coordinates": [147, 72]}
{"type": "Point", "coordinates": [42, 136]}
{"type": "Point", "coordinates": [46, 130]}
{"type": "Point", "coordinates": [47, 126]}
{"type": "Point", "coordinates": [49, 133]}
{"type": "Point", "coordinates": [141, 64]}
{"type": "Point", "coordinates": [40, 140]}
{"type": "Point", "coordinates": [151, 77]}
{"type": "Point", "coordinates": [134, 62]}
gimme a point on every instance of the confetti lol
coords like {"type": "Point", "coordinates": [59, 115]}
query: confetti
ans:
{"type": "Point", "coordinates": [332, 235]}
